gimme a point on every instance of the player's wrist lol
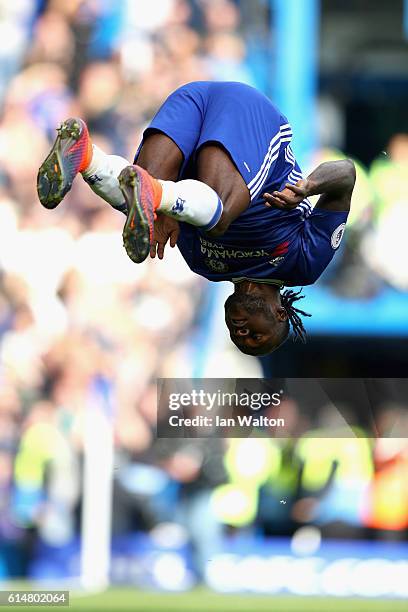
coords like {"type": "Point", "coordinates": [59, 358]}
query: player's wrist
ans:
{"type": "Point", "coordinates": [311, 187]}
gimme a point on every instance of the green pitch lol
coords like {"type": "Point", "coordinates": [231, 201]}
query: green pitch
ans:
{"type": "Point", "coordinates": [201, 600]}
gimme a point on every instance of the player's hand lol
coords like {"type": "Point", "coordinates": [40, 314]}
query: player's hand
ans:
{"type": "Point", "coordinates": [165, 228]}
{"type": "Point", "coordinates": [289, 197]}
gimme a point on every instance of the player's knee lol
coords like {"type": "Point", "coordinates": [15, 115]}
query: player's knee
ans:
{"type": "Point", "coordinates": [160, 156]}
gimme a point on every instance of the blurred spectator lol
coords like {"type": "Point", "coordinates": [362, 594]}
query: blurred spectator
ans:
{"type": "Point", "coordinates": [73, 309]}
{"type": "Point", "coordinates": [388, 176]}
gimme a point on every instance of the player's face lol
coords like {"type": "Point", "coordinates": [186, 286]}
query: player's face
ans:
{"type": "Point", "coordinates": [250, 334]}
{"type": "Point", "coordinates": [251, 323]}
{"type": "Point", "coordinates": [256, 319]}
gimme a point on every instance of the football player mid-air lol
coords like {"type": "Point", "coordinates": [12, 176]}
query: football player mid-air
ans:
{"type": "Point", "coordinates": [215, 174]}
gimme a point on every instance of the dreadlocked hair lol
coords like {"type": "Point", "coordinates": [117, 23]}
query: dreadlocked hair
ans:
{"type": "Point", "coordinates": [288, 297]}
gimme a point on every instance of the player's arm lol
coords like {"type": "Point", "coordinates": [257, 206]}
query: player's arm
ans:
{"type": "Point", "coordinates": [333, 181]}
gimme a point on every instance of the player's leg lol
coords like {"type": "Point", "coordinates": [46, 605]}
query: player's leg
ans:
{"type": "Point", "coordinates": [160, 156]}
{"type": "Point", "coordinates": [165, 147]}
{"type": "Point", "coordinates": [212, 202]}
{"type": "Point", "coordinates": [102, 177]}
{"type": "Point", "coordinates": [217, 170]}
{"type": "Point", "coordinates": [73, 153]}
{"type": "Point", "coordinates": [151, 187]}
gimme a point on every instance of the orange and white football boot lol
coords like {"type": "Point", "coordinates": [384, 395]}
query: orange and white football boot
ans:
{"type": "Point", "coordinates": [71, 153]}
{"type": "Point", "coordinates": [142, 195]}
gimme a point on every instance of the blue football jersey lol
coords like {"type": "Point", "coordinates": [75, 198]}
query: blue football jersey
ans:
{"type": "Point", "coordinates": [290, 247]}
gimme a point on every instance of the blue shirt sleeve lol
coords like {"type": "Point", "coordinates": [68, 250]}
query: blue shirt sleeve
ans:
{"type": "Point", "coordinates": [318, 242]}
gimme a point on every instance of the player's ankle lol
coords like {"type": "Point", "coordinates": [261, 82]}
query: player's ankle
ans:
{"type": "Point", "coordinates": [157, 193]}
{"type": "Point", "coordinates": [87, 159]}
{"type": "Point", "coordinates": [168, 195]}
{"type": "Point", "coordinates": [94, 160]}
{"type": "Point", "coordinates": [101, 174]}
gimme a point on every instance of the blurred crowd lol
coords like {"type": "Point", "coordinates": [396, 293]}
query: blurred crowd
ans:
{"type": "Point", "coordinates": [375, 248]}
{"type": "Point", "coordinates": [79, 322]}
{"type": "Point", "coordinates": [77, 319]}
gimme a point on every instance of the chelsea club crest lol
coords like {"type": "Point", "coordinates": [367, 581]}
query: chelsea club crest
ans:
{"type": "Point", "coordinates": [216, 265]}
